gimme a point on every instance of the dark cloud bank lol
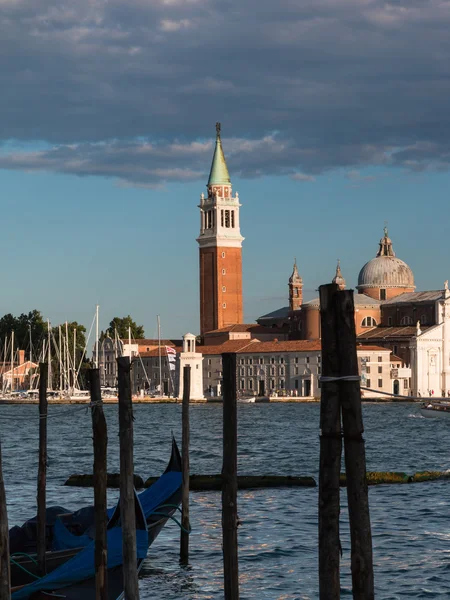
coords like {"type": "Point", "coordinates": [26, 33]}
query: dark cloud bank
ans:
{"type": "Point", "coordinates": [131, 89]}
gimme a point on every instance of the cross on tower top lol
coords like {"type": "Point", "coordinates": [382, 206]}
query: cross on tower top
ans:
{"type": "Point", "coordinates": [218, 128]}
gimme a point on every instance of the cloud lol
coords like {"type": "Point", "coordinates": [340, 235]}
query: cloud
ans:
{"type": "Point", "coordinates": [104, 86]}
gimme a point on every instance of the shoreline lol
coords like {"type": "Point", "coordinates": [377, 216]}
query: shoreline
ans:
{"type": "Point", "coordinates": [162, 400]}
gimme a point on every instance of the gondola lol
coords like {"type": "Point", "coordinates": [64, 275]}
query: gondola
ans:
{"type": "Point", "coordinates": [69, 533]}
{"type": "Point", "coordinates": [76, 577]}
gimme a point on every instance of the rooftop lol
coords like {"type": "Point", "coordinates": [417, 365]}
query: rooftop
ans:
{"type": "Point", "coordinates": [385, 333]}
{"type": "Point", "coordinates": [415, 297]}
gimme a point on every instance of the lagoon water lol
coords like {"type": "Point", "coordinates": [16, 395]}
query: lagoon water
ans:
{"type": "Point", "coordinates": [278, 536]}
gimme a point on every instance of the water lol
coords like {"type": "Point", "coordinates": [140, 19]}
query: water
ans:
{"type": "Point", "coordinates": [278, 536]}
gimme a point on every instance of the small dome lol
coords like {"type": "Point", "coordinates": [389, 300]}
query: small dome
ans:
{"type": "Point", "coordinates": [385, 270]}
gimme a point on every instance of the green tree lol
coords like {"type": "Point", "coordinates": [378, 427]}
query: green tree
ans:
{"type": "Point", "coordinates": [122, 325]}
{"type": "Point", "coordinates": [21, 327]}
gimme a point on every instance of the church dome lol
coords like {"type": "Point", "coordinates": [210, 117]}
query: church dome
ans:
{"type": "Point", "coordinates": [386, 271]}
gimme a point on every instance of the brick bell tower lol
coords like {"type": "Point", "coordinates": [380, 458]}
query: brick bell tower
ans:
{"type": "Point", "coordinates": [220, 244]}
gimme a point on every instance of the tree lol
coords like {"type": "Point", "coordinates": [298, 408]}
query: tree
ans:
{"type": "Point", "coordinates": [21, 327]}
{"type": "Point", "coordinates": [122, 326]}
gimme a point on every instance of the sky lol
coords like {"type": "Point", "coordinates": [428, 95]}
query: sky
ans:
{"type": "Point", "coordinates": [335, 119]}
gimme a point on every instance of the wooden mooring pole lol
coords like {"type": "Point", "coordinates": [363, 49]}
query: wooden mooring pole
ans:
{"type": "Point", "coordinates": [5, 574]}
{"type": "Point", "coordinates": [330, 452]}
{"type": "Point", "coordinates": [127, 507]}
{"type": "Point", "coordinates": [354, 451]}
{"type": "Point", "coordinates": [229, 476]}
{"type": "Point", "coordinates": [100, 440]}
{"type": "Point", "coordinates": [184, 536]}
{"type": "Point", "coordinates": [42, 470]}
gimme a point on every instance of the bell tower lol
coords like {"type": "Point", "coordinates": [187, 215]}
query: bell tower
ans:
{"type": "Point", "coordinates": [295, 289]}
{"type": "Point", "coordinates": [220, 245]}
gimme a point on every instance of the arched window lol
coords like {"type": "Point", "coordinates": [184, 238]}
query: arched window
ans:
{"type": "Point", "coordinates": [406, 321]}
{"type": "Point", "coordinates": [368, 322]}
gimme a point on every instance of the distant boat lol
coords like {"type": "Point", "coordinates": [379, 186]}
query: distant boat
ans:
{"type": "Point", "coordinates": [247, 399]}
{"type": "Point", "coordinates": [439, 408]}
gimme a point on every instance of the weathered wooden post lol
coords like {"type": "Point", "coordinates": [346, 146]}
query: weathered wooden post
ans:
{"type": "Point", "coordinates": [100, 439]}
{"type": "Point", "coordinates": [127, 507]}
{"type": "Point", "coordinates": [184, 536]}
{"type": "Point", "coordinates": [42, 470]}
{"type": "Point", "coordinates": [229, 479]}
{"type": "Point", "coordinates": [330, 451]}
{"type": "Point", "coordinates": [5, 574]}
{"type": "Point", "coordinates": [354, 451]}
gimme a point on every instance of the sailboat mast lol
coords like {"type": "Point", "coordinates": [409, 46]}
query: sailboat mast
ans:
{"type": "Point", "coordinates": [12, 361]}
{"type": "Point", "coordinates": [60, 360]}
{"type": "Point", "coordinates": [66, 344]}
{"type": "Point", "coordinates": [74, 355]}
{"type": "Point", "coordinates": [31, 351]}
{"type": "Point", "coordinates": [4, 364]}
{"type": "Point", "coordinates": [159, 353]}
{"type": "Point", "coordinates": [49, 360]}
{"type": "Point", "coordinates": [96, 337]}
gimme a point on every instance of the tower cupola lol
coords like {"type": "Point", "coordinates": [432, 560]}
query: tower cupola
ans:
{"type": "Point", "coordinates": [338, 278]}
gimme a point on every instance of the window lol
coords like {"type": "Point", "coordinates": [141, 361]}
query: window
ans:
{"type": "Point", "coordinates": [209, 361]}
{"type": "Point", "coordinates": [282, 384]}
{"type": "Point", "coordinates": [250, 361]}
{"type": "Point", "coordinates": [242, 384]}
{"type": "Point", "coordinates": [242, 372]}
{"type": "Point", "coordinates": [224, 289]}
{"type": "Point", "coordinates": [380, 369]}
{"type": "Point", "coordinates": [389, 321]}
{"type": "Point", "coordinates": [272, 384]}
{"type": "Point", "coordinates": [281, 370]}
{"type": "Point", "coordinates": [395, 350]}
{"type": "Point", "coordinates": [223, 254]}
{"type": "Point", "coordinates": [272, 370]}
{"type": "Point", "coordinates": [272, 360]}
{"type": "Point", "coordinates": [296, 384]}
{"type": "Point", "coordinates": [232, 218]}
{"type": "Point", "coordinates": [221, 217]}
{"type": "Point", "coordinates": [296, 371]}
{"type": "Point", "coordinates": [368, 383]}
{"type": "Point", "coordinates": [250, 384]}
{"type": "Point", "coordinates": [281, 360]}
{"type": "Point", "coordinates": [241, 361]}
{"type": "Point", "coordinates": [296, 292]}
{"type": "Point", "coordinates": [406, 321]}
{"type": "Point", "coordinates": [296, 360]}
{"type": "Point", "coordinates": [423, 320]}
{"type": "Point", "coordinates": [367, 369]}
{"type": "Point", "coordinates": [250, 371]}
{"type": "Point", "coordinates": [209, 374]}
{"type": "Point", "coordinates": [382, 294]}
{"type": "Point", "coordinates": [368, 322]}
{"type": "Point", "coordinates": [405, 384]}
{"type": "Point", "coordinates": [224, 272]}
{"type": "Point", "coordinates": [227, 218]}
{"type": "Point", "coordinates": [307, 360]}
{"type": "Point", "coordinates": [380, 383]}
{"type": "Point", "coordinates": [261, 361]}
{"type": "Point", "coordinates": [319, 370]}
{"type": "Point", "coordinates": [380, 359]}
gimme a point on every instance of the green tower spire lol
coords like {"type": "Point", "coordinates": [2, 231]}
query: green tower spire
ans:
{"type": "Point", "coordinates": [219, 171]}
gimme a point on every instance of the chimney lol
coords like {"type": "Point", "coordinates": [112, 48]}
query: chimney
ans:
{"type": "Point", "coordinates": [21, 357]}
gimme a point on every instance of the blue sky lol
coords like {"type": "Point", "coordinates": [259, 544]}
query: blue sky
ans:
{"type": "Point", "coordinates": [334, 120]}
